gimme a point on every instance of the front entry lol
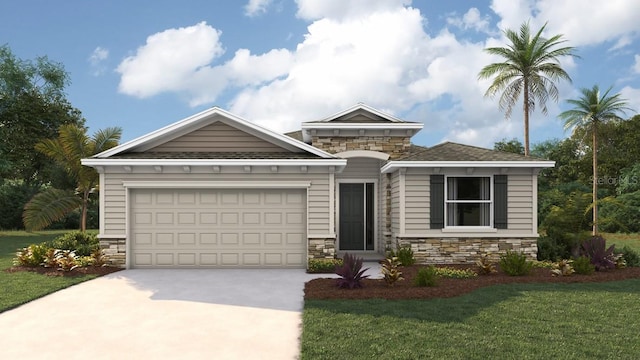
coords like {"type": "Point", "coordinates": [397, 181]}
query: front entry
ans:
{"type": "Point", "coordinates": [357, 220]}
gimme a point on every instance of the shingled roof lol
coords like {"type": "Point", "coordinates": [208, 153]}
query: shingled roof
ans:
{"type": "Point", "coordinates": [215, 155]}
{"type": "Point", "coordinates": [449, 151]}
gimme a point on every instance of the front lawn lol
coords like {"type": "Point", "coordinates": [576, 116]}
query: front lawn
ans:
{"type": "Point", "coordinates": [21, 287]}
{"type": "Point", "coordinates": [631, 240]}
{"type": "Point", "coordinates": [512, 321]}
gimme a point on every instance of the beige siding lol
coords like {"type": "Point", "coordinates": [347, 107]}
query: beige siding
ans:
{"type": "Point", "coordinates": [395, 202]}
{"type": "Point", "coordinates": [114, 194]}
{"type": "Point", "coordinates": [361, 168]}
{"type": "Point", "coordinates": [520, 203]}
{"type": "Point", "coordinates": [416, 201]}
{"type": "Point", "coordinates": [217, 137]}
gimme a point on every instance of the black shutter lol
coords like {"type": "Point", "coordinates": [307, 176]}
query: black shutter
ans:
{"type": "Point", "coordinates": [500, 201]}
{"type": "Point", "coordinates": [437, 202]}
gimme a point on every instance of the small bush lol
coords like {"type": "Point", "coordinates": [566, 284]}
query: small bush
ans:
{"type": "Point", "coordinates": [515, 263]}
{"type": "Point", "coordinates": [32, 256]}
{"type": "Point", "coordinates": [485, 265]}
{"type": "Point", "coordinates": [323, 266]}
{"type": "Point", "coordinates": [544, 264]}
{"type": "Point", "coordinates": [448, 272]}
{"type": "Point", "coordinates": [404, 255]}
{"type": "Point", "coordinates": [630, 256]}
{"type": "Point", "coordinates": [81, 243]}
{"type": "Point", "coordinates": [51, 258]}
{"type": "Point", "coordinates": [595, 248]}
{"type": "Point", "coordinates": [66, 260]}
{"type": "Point", "coordinates": [390, 270]}
{"type": "Point", "coordinates": [426, 276]}
{"type": "Point", "coordinates": [350, 272]}
{"type": "Point", "coordinates": [563, 268]}
{"type": "Point", "coordinates": [582, 265]}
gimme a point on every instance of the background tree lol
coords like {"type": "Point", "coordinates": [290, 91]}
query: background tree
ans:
{"type": "Point", "coordinates": [512, 146]}
{"type": "Point", "coordinates": [33, 105]}
{"type": "Point", "coordinates": [590, 111]}
{"type": "Point", "coordinates": [531, 67]}
{"type": "Point", "coordinates": [71, 145]}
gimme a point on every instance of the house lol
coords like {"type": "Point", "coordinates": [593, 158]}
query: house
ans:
{"type": "Point", "coordinates": [214, 190]}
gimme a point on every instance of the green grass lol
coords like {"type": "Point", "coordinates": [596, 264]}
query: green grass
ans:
{"type": "Point", "coordinates": [620, 240]}
{"type": "Point", "coordinates": [517, 321]}
{"type": "Point", "coordinates": [21, 287]}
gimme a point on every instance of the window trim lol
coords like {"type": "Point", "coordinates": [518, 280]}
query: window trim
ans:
{"type": "Point", "coordinates": [491, 203]}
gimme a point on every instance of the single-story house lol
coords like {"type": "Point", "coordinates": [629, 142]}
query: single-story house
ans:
{"type": "Point", "coordinates": [215, 190]}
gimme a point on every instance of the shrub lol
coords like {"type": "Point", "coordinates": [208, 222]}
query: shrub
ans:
{"type": "Point", "coordinates": [426, 276]}
{"type": "Point", "coordinates": [33, 255]}
{"type": "Point", "coordinates": [98, 258]}
{"type": "Point", "coordinates": [81, 243]}
{"type": "Point", "coordinates": [50, 259]}
{"type": "Point", "coordinates": [562, 268]}
{"type": "Point", "coordinates": [455, 273]}
{"type": "Point", "coordinates": [630, 256]}
{"type": "Point", "coordinates": [550, 249]}
{"type": "Point", "coordinates": [390, 271]}
{"type": "Point", "coordinates": [404, 255]}
{"type": "Point", "coordinates": [350, 272]}
{"type": "Point", "coordinates": [485, 265]}
{"type": "Point", "coordinates": [66, 260]}
{"type": "Point", "coordinates": [595, 248]}
{"type": "Point", "coordinates": [582, 265]}
{"type": "Point", "coordinates": [323, 266]}
{"type": "Point", "coordinates": [515, 263]}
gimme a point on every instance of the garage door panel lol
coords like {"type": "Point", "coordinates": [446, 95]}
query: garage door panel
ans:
{"type": "Point", "coordinates": [218, 228]}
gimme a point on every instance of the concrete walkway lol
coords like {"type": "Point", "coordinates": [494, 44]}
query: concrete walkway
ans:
{"type": "Point", "coordinates": [164, 314]}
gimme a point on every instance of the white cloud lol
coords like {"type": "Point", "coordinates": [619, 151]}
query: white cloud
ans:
{"type": "Point", "coordinates": [256, 7]}
{"type": "Point", "coordinates": [636, 65]}
{"type": "Point", "coordinates": [341, 10]}
{"type": "Point", "coordinates": [632, 96]}
{"type": "Point", "coordinates": [96, 60]}
{"type": "Point", "coordinates": [471, 20]}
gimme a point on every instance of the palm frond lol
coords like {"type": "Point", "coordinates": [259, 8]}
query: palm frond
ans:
{"type": "Point", "coordinates": [49, 206]}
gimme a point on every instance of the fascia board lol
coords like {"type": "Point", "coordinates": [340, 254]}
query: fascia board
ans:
{"type": "Point", "coordinates": [371, 126]}
{"type": "Point", "coordinates": [393, 165]}
{"type": "Point", "coordinates": [213, 162]}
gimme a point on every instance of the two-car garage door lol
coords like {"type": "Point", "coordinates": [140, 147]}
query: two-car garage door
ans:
{"type": "Point", "coordinates": [217, 228]}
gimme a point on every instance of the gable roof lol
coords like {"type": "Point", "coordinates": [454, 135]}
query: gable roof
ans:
{"type": "Point", "coordinates": [204, 118]}
{"type": "Point", "coordinates": [360, 109]}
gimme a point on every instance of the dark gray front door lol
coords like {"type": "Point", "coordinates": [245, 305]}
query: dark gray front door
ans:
{"type": "Point", "coordinates": [356, 216]}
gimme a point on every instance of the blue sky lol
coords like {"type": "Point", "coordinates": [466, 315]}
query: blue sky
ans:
{"type": "Point", "coordinates": [142, 65]}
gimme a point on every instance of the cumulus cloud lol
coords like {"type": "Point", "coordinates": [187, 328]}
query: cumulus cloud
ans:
{"type": "Point", "coordinates": [256, 7]}
{"type": "Point", "coordinates": [636, 65]}
{"type": "Point", "coordinates": [471, 20]}
{"type": "Point", "coordinates": [341, 10]}
{"type": "Point", "coordinates": [96, 60]}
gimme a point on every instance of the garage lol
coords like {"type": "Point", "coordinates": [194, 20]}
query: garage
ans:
{"type": "Point", "coordinates": [252, 228]}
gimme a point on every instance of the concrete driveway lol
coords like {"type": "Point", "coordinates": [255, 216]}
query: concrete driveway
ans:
{"type": "Point", "coordinates": [162, 314]}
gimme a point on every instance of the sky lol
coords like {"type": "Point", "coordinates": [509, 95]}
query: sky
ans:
{"type": "Point", "coordinates": [144, 64]}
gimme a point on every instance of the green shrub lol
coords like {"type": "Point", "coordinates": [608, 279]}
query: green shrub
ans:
{"type": "Point", "coordinates": [33, 255]}
{"type": "Point", "coordinates": [582, 265]}
{"type": "Point", "coordinates": [630, 256]}
{"type": "Point", "coordinates": [515, 263]}
{"type": "Point", "coordinates": [81, 243]}
{"type": "Point", "coordinates": [449, 272]}
{"type": "Point", "coordinates": [390, 270]}
{"type": "Point", "coordinates": [404, 255]}
{"type": "Point", "coordinates": [323, 266]}
{"type": "Point", "coordinates": [562, 268]}
{"type": "Point", "coordinates": [550, 249]}
{"type": "Point", "coordinates": [426, 276]}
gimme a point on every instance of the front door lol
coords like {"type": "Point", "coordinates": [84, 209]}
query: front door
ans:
{"type": "Point", "coordinates": [356, 216]}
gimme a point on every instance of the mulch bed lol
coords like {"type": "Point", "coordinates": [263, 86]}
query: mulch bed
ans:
{"type": "Point", "coordinates": [88, 270]}
{"type": "Point", "coordinates": [325, 288]}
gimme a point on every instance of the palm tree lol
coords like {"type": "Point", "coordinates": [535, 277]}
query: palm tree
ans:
{"type": "Point", "coordinates": [591, 110]}
{"type": "Point", "coordinates": [531, 67]}
{"type": "Point", "coordinates": [71, 145]}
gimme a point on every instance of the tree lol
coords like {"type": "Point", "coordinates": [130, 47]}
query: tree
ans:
{"type": "Point", "coordinates": [530, 67]}
{"type": "Point", "coordinates": [71, 145]}
{"type": "Point", "coordinates": [32, 108]}
{"type": "Point", "coordinates": [512, 146]}
{"type": "Point", "coordinates": [590, 111]}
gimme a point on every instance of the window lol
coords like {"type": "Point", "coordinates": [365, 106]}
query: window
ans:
{"type": "Point", "coordinates": [468, 201]}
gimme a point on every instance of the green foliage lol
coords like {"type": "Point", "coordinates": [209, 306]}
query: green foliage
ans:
{"type": "Point", "coordinates": [563, 268]}
{"type": "Point", "coordinates": [32, 256]}
{"type": "Point", "coordinates": [81, 243]}
{"type": "Point", "coordinates": [449, 272]}
{"type": "Point", "coordinates": [485, 265]}
{"type": "Point", "coordinates": [595, 248]}
{"type": "Point", "coordinates": [515, 263]}
{"type": "Point", "coordinates": [13, 195]}
{"type": "Point", "coordinates": [390, 270]}
{"type": "Point", "coordinates": [621, 215]}
{"type": "Point", "coordinates": [404, 255]}
{"type": "Point", "coordinates": [323, 266]}
{"type": "Point", "coordinates": [630, 256]}
{"type": "Point", "coordinates": [512, 146]}
{"type": "Point", "coordinates": [66, 260]}
{"type": "Point", "coordinates": [426, 277]}
{"type": "Point", "coordinates": [98, 258]}
{"type": "Point", "coordinates": [582, 265]}
{"type": "Point", "coordinates": [351, 272]}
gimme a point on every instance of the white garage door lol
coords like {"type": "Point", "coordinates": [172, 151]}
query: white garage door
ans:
{"type": "Point", "coordinates": [218, 228]}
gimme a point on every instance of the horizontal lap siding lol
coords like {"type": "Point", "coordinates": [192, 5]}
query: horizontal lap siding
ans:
{"type": "Point", "coordinates": [416, 202]}
{"type": "Point", "coordinates": [360, 168]}
{"type": "Point", "coordinates": [395, 202]}
{"type": "Point", "coordinates": [520, 203]}
{"type": "Point", "coordinates": [217, 137]}
{"type": "Point", "coordinates": [115, 207]}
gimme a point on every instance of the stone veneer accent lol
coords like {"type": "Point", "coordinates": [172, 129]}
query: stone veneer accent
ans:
{"type": "Point", "coordinates": [115, 251]}
{"type": "Point", "coordinates": [395, 146]}
{"type": "Point", "coordinates": [322, 248]}
{"type": "Point", "coordinates": [466, 250]}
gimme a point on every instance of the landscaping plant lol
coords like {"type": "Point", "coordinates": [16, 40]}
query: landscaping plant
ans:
{"type": "Point", "coordinates": [81, 243]}
{"type": "Point", "coordinates": [630, 256]}
{"type": "Point", "coordinates": [404, 255]}
{"type": "Point", "coordinates": [426, 276]}
{"type": "Point", "coordinates": [350, 272]}
{"type": "Point", "coordinates": [582, 265]}
{"type": "Point", "coordinates": [485, 265]}
{"type": "Point", "coordinates": [323, 266]}
{"type": "Point", "coordinates": [562, 268]}
{"type": "Point", "coordinates": [595, 248]}
{"type": "Point", "coordinates": [390, 270]}
{"type": "Point", "coordinates": [449, 272]}
{"type": "Point", "coordinates": [515, 263]}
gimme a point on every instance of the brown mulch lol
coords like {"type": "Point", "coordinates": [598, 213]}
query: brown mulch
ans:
{"type": "Point", "coordinates": [325, 288]}
{"type": "Point", "coordinates": [88, 270]}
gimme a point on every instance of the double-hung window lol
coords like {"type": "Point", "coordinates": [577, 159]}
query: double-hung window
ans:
{"type": "Point", "coordinates": [468, 201]}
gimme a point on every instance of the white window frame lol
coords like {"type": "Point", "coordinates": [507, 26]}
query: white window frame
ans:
{"type": "Point", "coordinates": [447, 202]}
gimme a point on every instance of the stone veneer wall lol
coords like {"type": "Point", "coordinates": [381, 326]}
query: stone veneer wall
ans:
{"type": "Point", "coordinates": [114, 250]}
{"type": "Point", "coordinates": [322, 248]}
{"type": "Point", "coordinates": [395, 146]}
{"type": "Point", "coordinates": [466, 250]}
